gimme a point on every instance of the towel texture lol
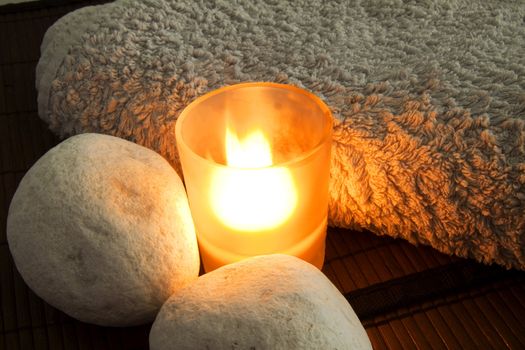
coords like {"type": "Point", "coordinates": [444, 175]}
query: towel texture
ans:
{"type": "Point", "coordinates": [429, 99]}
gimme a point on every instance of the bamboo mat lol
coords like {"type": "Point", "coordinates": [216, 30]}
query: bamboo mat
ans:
{"type": "Point", "coordinates": [407, 297]}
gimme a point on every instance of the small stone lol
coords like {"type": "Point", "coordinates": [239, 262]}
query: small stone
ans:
{"type": "Point", "coordinates": [267, 302]}
{"type": "Point", "coordinates": [100, 228]}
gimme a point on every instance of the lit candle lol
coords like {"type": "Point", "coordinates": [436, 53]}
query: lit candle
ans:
{"type": "Point", "coordinates": [255, 159]}
{"type": "Point", "coordinates": [232, 193]}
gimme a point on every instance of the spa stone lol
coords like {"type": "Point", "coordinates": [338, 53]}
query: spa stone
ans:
{"type": "Point", "coordinates": [100, 228]}
{"type": "Point", "coordinates": [266, 302]}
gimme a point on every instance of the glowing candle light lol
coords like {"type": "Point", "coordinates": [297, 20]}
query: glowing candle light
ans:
{"type": "Point", "coordinates": [255, 198]}
{"type": "Point", "coordinates": [255, 159]}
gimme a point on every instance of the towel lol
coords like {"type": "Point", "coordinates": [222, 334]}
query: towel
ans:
{"type": "Point", "coordinates": [428, 99]}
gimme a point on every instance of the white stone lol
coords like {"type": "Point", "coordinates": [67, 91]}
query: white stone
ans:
{"type": "Point", "coordinates": [100, 228]}
{"type": "Point", "coordinates": [266, 302]}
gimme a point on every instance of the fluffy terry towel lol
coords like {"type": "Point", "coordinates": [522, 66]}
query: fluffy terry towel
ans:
{"type": "Point", "coordinates": [428, 98]}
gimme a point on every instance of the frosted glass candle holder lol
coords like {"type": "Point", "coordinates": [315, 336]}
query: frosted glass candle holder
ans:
{"type": "Point", "coordinates": [255, 159]}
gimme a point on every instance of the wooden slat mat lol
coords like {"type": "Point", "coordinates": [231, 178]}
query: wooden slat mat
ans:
{"type": "Point", "coordinates": [407, 297]}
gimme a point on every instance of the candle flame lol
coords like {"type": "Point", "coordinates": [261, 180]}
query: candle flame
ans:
{"type": "Point", "coordinates": [252, 152]}
{"type": "Point", "coordinates": [252, 196]}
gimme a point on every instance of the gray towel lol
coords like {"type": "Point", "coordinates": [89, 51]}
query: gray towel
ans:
{"type": "Point", "coordinates": [428, 98]}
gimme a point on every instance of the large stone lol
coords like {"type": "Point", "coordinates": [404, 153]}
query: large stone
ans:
{"type": "Point", "coordinates": [100, 228]}
{"type": "Point", "coordinates": [266, 302]}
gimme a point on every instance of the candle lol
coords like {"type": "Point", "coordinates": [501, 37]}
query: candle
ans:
{"type": "Point", "coordinates": [255, 159]}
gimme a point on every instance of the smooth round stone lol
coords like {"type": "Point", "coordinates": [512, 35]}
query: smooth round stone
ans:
{"type": "Point", "coordinates": [100, 228]}
{"type": "Point", "coordinates": [266, 302]}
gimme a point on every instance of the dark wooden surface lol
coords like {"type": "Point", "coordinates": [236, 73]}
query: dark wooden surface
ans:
{"type": "Point", "coordinates": [407, 297]}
